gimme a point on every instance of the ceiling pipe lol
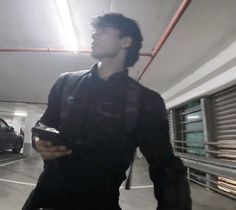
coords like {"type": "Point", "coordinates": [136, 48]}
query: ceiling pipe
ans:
{"type": "Point", "coordinates": [22, 102]}
{"type": "Point", "coordinates": [37, 50]}
{"type": "Point", "coordinates": [183, 6]}
{"type": "Point", "coordinates": [156, 49]}
{"type": "Point", "coordinates": [43, 50]}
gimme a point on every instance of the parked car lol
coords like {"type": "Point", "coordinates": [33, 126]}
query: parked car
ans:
{"type": "Point", "coordinates": [9, 138]}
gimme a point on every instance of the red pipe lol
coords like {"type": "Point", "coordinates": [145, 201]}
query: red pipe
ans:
{"type": "Point", "coordinates": [56, 50]}
{"type": "Point", "coordinates": [152, 55]}
{"type": "Point", "coordinates": [42, 50]}
{"type": "Point", "coordinates": [170, 27]}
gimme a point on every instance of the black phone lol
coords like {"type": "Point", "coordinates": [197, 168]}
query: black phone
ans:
{"type": "Point", "coordinates": [47, 133]}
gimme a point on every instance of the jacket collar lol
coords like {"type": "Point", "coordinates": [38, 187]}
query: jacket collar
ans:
{"type": "Point", "coordinates": [114, 76]}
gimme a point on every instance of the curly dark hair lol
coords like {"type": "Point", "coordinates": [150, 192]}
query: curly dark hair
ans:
{"type": "Point", "coordinates": [127, 27]}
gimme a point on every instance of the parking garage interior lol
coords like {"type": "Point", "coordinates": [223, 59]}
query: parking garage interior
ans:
{"type": "Point", "coordinates": [188, 56]}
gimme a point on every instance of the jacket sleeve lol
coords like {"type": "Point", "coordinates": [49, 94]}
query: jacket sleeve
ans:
{"type": "Point", "coordinates": [167, 172]}
{"type": "Point", "coordinates": [52, 114]}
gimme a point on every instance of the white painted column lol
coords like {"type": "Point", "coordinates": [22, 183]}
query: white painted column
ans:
{"type": "Point", "coordinates": [16, 123]}
{"type": "Point", "coordinates": [32, 117]}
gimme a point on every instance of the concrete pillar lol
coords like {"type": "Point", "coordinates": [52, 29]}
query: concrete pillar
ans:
{"type": "Point", "coordinates": [208, 134]}
{"type": "Point", "coordinates": [16, 123]}
{"type": "Point", "coordinates": [32, 117]}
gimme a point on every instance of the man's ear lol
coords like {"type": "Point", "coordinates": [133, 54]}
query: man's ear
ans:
{"type": "Point", "coordinates": [126, 41]}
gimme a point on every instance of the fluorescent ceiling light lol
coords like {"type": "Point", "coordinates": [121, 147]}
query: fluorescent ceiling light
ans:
{"type": "Point", "coordinates": [64, 12]}
{"type": "Point", "coordinates": [193, 117]}
{"type": "Point", "coordinates": [20, 114]}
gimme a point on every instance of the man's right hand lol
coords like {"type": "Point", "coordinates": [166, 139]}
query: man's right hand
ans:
{"type": "Point", "coordinates": [48, 151]}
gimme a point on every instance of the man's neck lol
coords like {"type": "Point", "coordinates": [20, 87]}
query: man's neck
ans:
{"type": "Point", "coordinates": [108, 67]}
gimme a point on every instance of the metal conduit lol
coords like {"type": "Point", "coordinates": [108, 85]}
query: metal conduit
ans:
{"type": "Point", "coordinates": [36, 50]}
{"type": "Point", "coordinates": [183, 6]}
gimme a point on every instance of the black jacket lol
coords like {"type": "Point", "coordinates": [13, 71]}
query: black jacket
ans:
{"type": "Point", "coordinates": [104, 164]}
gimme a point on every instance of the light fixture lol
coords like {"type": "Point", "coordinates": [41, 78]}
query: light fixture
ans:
{"type": "Point", "coordinates": [64, 12]}
{"type": "Point", "coordinates": [20, 114]}
{"type": "Point", "coordinates": [193, 117]}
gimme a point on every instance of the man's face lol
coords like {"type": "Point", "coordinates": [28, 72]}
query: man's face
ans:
{"type": "Point", "coordinates": [106, 43]}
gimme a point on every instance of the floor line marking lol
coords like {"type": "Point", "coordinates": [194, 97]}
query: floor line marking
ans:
{"type": "Point", "coordinates": [1, 160]}
{"type": "Point", "coordinates": [138, 187]}
{"type": "Point", "coordinates": [32, 184]}
{"type": "Point", "coordinates": [12, 162]}
{"type": "Point", "coordinates": [16, 182]}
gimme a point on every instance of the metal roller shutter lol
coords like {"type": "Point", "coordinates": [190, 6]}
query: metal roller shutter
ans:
{"type": "Point", "coordinates": [224, 117]}
{"type": "Point", "coordinates": [224, 114]}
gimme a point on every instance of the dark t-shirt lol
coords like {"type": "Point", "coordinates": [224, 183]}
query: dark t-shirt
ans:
{"type": "Point", "coordinates": [109, 148]}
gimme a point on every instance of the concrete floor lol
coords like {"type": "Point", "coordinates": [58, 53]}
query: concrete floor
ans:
{"type": "Point", "coordinates": [19, 174]}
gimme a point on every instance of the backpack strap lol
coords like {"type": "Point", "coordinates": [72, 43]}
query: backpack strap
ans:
{"type": "Point", "coordinates": [133, 104]}
{"type": "Point", "coordinates": [71, 84]}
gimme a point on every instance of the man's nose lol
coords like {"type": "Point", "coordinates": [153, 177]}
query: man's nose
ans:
{"type": "Point", "coordinates": [94, 35]}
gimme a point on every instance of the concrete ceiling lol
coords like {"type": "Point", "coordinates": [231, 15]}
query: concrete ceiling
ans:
{"type": "Point", "coordinates": [206, 29]}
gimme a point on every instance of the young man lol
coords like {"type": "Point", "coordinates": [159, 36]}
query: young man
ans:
{"type": "Point", "coordinates": [103, 116]}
